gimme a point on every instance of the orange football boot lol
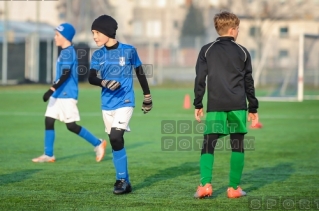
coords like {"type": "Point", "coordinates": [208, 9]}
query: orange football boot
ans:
{"type": "Point", "coordinates": [232, 193]}
{"type": "Point", "coordinates": [204, 191]}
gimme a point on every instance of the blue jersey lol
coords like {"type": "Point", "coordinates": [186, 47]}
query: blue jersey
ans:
{"type": "Point", "coordinates": [116, 64]}
{"type": "Point", "coordinates": [67, 60]}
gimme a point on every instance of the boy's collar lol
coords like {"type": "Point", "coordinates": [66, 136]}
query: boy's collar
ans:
{"type": "Point", "coordinates": [67, 47]}
{"type": "Point", "coordinates": [115, 46]}
{"type": "Point", "coordinates": [226, 38]}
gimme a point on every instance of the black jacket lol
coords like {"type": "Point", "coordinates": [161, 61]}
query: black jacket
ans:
{"type": "Point", "coordinates": [227, 67]}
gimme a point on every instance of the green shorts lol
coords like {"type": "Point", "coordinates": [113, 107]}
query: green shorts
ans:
{"type": "Point", "coordinates": [226, 122]}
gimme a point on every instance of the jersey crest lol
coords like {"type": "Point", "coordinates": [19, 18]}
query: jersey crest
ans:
{"type": "Point", "coordinates": [122, 61]}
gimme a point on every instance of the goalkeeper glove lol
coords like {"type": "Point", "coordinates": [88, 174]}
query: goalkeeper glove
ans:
{"type": "Point", "coordinates": [47, 94]}
{"type": "Point", "coordinates": [111, 84]}
{"type": "Point", "coordinates": [147, 104]}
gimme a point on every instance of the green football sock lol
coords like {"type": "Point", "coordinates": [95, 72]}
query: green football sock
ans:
{"type": "Point", "coordinates": [236, 168]}
{"type": "Point", "coordinates": [206, 168]}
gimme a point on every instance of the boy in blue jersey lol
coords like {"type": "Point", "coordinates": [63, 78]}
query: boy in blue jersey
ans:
{"type": "Point", "coordinates": [112, 69]}
{"type": "Point", "coordinates": [63, 97]}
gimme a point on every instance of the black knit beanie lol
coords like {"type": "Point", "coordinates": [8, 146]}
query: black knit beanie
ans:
{"type": "Point", "coordinates": [106, 25]}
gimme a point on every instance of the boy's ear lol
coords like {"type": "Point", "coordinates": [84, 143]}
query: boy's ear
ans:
{"type": "Point", "coordinates": [230, 30]}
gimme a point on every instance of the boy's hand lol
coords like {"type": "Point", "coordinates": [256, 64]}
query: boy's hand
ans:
{"type": "Point", "coordinates": [48, 94]}
{"type": "Point", "coordinates": [253, 117]}
{"type": "Point", "coordinates": [147, 104]}
{"type": "Point", "coordinates": [111, 84]}
{"type": "Point", "coordinates": [198, 114]}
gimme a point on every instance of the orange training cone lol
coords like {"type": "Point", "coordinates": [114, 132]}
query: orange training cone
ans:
{"type": "Point", "coordinates": [187, 102]}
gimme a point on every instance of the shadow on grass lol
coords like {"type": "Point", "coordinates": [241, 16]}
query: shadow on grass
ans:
{"type": "Point", "coordinates": [77, 155]}
{"type": "Point", "coordinates": [108, 153]}
{"type": "Point", "coordinates": [260, 177]}
{"type": "Point", "coordinates": [167, 174]}
{"type": "Point", "coordinates": [18, 176]}
{"type": "Point", "coordinates": [136, 145]}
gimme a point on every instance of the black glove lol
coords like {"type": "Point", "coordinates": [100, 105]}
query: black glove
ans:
{"type": "Point", "coordinates": [147, 104]}
{"type": "Point", "coordinates": [111, 84]}
{"type": "Point", "coordinates": [47, 95]}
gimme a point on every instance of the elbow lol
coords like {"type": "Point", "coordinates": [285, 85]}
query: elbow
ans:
{"type": "Point", "coordinates": [91, 80]}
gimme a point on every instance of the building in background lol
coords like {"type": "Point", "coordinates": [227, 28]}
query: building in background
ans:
{"type": "Point", "coordinates": [269, 29]}
{"type": "Point", "coordinates": [31, 11]}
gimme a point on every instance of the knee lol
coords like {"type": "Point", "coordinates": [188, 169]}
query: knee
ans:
{"type": "Point", "coordinates": [116, 139]}
{"type": "Point", "coordinates": [73, 127]}
{"type": "Point", "coordinates": [49, 123]}
{"type": "Point", "coordinates": [237, 145]}
{"type": "Point", "coordinates": [209, 143]}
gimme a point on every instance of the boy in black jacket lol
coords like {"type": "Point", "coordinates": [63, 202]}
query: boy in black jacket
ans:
{"type": "Point", "coordinates": [227, 67]}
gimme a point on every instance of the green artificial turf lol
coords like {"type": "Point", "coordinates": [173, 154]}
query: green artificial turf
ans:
{"type": "Point", "coordinates": [281, 165]}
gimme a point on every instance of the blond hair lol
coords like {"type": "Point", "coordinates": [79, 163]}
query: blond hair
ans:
{"type": "Point", "coordinates": [223, 21]}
